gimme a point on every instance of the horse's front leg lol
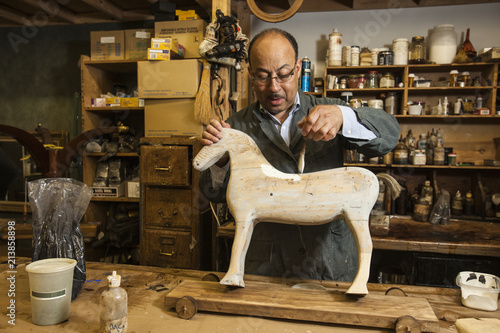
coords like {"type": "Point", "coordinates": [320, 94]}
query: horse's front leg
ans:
{"type": "Point", "coordinates": [361, 232]}
{"type": "Point", "coordinates": [242, 237]}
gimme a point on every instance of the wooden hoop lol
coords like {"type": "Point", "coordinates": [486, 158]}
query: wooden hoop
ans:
{"type": "Point", "coordinates": [274, 17]}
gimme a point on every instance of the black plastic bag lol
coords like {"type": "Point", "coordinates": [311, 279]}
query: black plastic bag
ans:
{"type": "Point", "coordinates": [58, 204]}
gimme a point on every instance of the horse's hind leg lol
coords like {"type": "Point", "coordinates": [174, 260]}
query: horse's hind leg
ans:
{"type": "Point", "coordinates": [361, 232]}
{"type": "Point", "coordinates": [242, 237]}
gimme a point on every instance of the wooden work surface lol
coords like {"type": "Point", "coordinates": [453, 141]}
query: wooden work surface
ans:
{"type": "Point", "coordinates": [148, 286]}
{"type": "Point", "coordinates": [459, 237]}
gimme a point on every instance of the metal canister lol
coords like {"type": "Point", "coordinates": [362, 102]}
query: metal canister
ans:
{"type": "Point", "coordinates": [305, 81]}
{"type": "Point", "coordinates": [386, 58]}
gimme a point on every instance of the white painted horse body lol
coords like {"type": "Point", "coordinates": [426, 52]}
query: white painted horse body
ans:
{"type": "Point", "coordinates": [258, 192]}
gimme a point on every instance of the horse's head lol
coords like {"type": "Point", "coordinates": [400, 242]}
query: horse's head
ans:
{"type": "Point", "coordinates": [209, 155]}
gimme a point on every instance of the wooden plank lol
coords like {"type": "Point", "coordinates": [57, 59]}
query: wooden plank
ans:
{"type": "Point", "coordinates": [277, 301]}
{"type": "Point", "coordinates": [25, 231]}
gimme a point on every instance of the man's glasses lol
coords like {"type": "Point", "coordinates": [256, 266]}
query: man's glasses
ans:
{"type": "Point", "coordinates": [262, 81]}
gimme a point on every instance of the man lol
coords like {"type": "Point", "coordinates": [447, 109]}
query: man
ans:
{"type": "Point", "coordinates": [282, 119]}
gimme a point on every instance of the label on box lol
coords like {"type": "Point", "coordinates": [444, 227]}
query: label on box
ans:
{"type": "Point", "coordinates": [107, 191]}
{"type": "Point", "coordinates": [108, 40]}
{"type": "Point", "coordinates": [142, 34]}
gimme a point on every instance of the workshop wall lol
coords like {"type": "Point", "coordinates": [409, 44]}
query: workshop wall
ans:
{"type": "Point", "coordinates": [378, 28]}
{"type": "Point", "coordinates": [41, 76]}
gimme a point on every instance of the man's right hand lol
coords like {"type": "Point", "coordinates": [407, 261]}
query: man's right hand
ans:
{"type": "Point", "coordinates": [212, 132]}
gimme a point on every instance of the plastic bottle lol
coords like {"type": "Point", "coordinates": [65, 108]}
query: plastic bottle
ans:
{"type": "Point", "coordinates": [479, 101]}
{"type": "Point", "coordinates": [114, 307]}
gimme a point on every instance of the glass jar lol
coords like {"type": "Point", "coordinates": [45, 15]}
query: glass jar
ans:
{"type": "Point", "coordinates": [417, 50]}
{"type": "Point", "coordinates": [372, 81]}
{"type": "Point", "coordinates": [400, 49]}
{"type": "Point", "coordinates": [352, 81]}
{"type": "Point", "coordinates": [391, 103]}
{"type": "Point", "coordinates": [443, 44]}
{"type": "Point", "coordinates": [387, 81]}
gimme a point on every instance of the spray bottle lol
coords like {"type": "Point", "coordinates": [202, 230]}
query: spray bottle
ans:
{"type": "Point", "coordinates": [114, 307]}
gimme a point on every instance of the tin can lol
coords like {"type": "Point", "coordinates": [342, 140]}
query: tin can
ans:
{"type": "Point", "coordinates": [305, 81]}
{"type": "Point", "coordinates": [386, 58]}
{"type": "Point", "coordinates": [306, 63]}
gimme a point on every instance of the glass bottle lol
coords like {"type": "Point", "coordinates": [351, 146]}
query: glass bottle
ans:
{"type": "Point", "coordinates": [422, 142]}
{"type": "Point", "coordinates": [402, 201]}
{"type": "Point", "coordinates": [457, 206]}
{"type": "Point", "coordinates": [429, 153]}
{"type": "Point", "coordinates": [422, 210]}
{"type": "Point", "coordinates": [427, 192]}
{"type": "Point", "coordinates": [439, 154]}
{"type": "Point", "coordinates": [372, 81]}
{"type": "Point", "coordinates": [401, 152]}
{"type": "Point", "coordinates": [114, 306]}
{"type": "Point", "coordinates": [469, 204]}
{"type": "Point", "coordinates": [417, 50]}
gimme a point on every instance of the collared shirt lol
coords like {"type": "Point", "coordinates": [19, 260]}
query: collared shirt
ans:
{"type": "Point", "coordinates": [351, 128]}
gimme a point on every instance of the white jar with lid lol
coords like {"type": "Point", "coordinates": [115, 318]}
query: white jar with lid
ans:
{"type": "Point", "coordinates": [443, 44]}
{"type": "Point", "coordinates": [400, 49]}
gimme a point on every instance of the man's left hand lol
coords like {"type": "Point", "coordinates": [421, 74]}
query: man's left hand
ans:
{"type": "Point", "coordinates": [322, 123]}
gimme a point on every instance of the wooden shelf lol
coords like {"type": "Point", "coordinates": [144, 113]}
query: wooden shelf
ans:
{"type": "Point", "coordinates": [114, 199]}
{"type": "Point", "coordinates": [113, 109]}
{"type": "Point", "coordinates": [411, 166]}
{"type": "Point", "coordinates": [116, 155]}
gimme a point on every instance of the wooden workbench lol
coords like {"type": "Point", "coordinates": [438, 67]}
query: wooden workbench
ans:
{"type": "Point", "coordinates": [147, 287]}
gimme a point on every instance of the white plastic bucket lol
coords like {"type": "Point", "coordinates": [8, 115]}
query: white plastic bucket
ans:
{"type": "Point", "coordinates": [51, 283]}
{"type": "Point", "coordinates": [479, 290]}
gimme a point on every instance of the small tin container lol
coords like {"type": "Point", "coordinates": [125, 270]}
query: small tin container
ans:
{"type": "Point", "coordinates": [386, 58]}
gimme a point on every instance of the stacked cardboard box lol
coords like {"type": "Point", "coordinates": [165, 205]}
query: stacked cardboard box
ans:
{"type": "Point", "coordinates": [189, 33]}
{"type": "Point", "coordinates": [165, 49]}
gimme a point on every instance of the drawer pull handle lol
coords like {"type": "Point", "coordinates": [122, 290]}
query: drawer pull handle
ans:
{"type": "Point", "coordinates": [169, 168]}
{"type": "Point", "coordinates": [169, 254]}
{"type": "Point", "coordinates": [160, 212]}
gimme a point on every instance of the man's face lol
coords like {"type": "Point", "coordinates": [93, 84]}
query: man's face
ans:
{"type": "Point", "coordinates": [272, 56]}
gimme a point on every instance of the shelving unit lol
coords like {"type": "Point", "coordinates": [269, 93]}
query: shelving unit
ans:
{"type": "Point", "coordinates": [470, 136]}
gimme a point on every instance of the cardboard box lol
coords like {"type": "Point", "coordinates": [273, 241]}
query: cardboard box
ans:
{"type": "Point", "coordinates": [137, 42]}
{"type": "Point", "coordinates": [107, 45]}
{"type": "Point", "coordinates": [189, 33]}
{"type": "Point", "coordinates": [132, 102]}
{"type": "Point", "coordinates": [112, 101]}
{"type": "Point", "coordinates": [491, 55]}
{"type": "Point", "coordinates": [170, 117]}
{"type": "Point", "coordinates": [168, 79]}
{"type": "Point", "coordinates": [159, 54]}
{"type": "Point", "coordinates": [110, 191]}
{"type": "Point", "coordinates": [132, 189]}
{"type": "Point", "coordinates": [165, 44]}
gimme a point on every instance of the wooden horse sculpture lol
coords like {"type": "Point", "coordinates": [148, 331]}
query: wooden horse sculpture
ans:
{"type": "Point", "coordinates": [258, 192]}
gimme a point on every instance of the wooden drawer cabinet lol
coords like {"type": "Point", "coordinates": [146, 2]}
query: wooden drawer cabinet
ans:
{"type": "Point", "coordinates": [167, 248]}
{"type": "Point", "coordinates": [166, 165]}
{"type": "Point", "coordinates": [166, 208]}
{"type": "Point", "coordinates": [172, 206]}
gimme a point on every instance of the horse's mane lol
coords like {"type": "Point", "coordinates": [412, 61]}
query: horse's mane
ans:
{"type": "Point", "coordinates": [237, 135]}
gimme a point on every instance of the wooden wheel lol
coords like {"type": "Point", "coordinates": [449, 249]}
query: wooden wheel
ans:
{"type": "Point", "coordinates": [210, 277]}
{"type": "Point", "coordinates": [407, 324]}
{"type": "Point", "coordinates": [395, 291]}
{"type": "Point", "coordinates": [186, 307]}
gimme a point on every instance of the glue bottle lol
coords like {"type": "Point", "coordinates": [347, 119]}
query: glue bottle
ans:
{"type": "Point", "coordinates": [114, 307]}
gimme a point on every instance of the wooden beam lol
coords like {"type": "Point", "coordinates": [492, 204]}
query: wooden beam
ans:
{"type": "Point", "coordinates": [54, 9]}
{"type": "Point", "coordinates": [12, 15]}
{"type": "Point", "coordinates": [206, 5]}
{"type": "Point", "coordinates": [108, 8]}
